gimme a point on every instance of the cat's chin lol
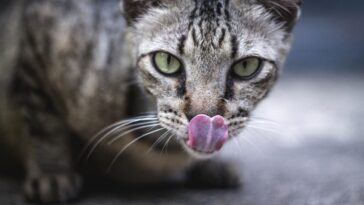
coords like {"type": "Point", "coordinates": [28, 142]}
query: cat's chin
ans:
{"type": "Point", "coordinates": [196, 153]}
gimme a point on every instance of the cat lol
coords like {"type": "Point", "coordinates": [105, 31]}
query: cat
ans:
{"type": "Point", "coordinates": [196, 69]}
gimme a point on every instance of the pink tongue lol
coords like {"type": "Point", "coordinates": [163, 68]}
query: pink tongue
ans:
{"type": "Point", "coordinates": [207, 134]}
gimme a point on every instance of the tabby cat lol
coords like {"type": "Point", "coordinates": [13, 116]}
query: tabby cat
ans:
{"type": "Point", "coordinates": [191, 71]}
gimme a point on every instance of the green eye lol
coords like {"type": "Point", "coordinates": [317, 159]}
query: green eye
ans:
{"type": "Point", "coordinates": [167, 63]}
{"type": "Point", "coordinates": [247, 68]}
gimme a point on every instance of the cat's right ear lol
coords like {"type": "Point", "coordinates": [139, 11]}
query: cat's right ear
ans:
{"type": "Point", "coordinates": [134, 9]}
{"type": "Point", "coordinates": [286, 11]}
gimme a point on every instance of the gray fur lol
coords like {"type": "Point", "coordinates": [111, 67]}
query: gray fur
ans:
{"type": "Point", "coordinates": [78, 59]}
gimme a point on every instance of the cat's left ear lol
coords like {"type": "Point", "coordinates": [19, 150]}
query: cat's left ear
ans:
{"type": "Point", "coordinates": [134, 9]}
{"type": "Point", "coordinates": [286, 11]}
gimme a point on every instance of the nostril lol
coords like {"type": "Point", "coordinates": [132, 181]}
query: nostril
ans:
{"type": "Point", "coordinates": [190, 117]}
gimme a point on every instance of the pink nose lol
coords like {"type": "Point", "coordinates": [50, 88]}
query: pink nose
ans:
{"type": "Point", "coordinates": [207, 134]}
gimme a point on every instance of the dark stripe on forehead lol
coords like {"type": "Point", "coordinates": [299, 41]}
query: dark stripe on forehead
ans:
{"type": "Point", "coordinates": [208, 8]}
{"type": "Point", "coordinates": [194, 36]}
{"type": "Point", "coordinates": [226, 11]}
{"type": "Point", "coordinates": [234, 46]}
{"type": "Point", "coordinates": [190, 24]}
{"type": "Point", "coordinates": [227, 15]}
{"type": "Point", "coordinates": [222, 37]}
{"type": "Point", "coordinates": [181, 44]}
{"type": "Point", "coordinates": [218, 10]}
{"type": "Point", "coordinates": [192, 16]}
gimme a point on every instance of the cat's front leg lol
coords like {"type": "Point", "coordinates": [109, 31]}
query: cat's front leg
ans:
{"type": "Point", "coordinates": [214, 174]}
{"type": "Point", "coordinates": [50, 175]}
{"type": "Point", "coordinates": [52, 187]}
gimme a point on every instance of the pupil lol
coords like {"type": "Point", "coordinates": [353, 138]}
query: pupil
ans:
{"type": "Point", "coordinates": [245, 64]}
{"type": "Point", "coordinates": [169, 58]}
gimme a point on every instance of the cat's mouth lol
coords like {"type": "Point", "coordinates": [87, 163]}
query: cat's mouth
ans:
{"type": "Point", "coordinates": [206, 135]}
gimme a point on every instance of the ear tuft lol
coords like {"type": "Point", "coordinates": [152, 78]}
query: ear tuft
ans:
{"type": "Point", "coordinates": [287, 11]}
{"type": "Point", "coordinates": [132, 9]}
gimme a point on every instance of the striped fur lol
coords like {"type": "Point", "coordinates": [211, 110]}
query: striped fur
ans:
{"type": "Point", "coordinates": [209, 37]}
{"type": "Point", "coordinates": [75, 73]}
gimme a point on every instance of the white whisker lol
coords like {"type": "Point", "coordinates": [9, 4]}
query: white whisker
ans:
{"type": "Point", "coordinates": [166, 143]}
{"type": "Point", "coordinates": [263, 120]}
{"type": "Point", "coordinates": [132, 130]}
{"type": "Point", "coordinates": [252, 144]}
{"type": "Point", "coordinates": [278, 132]}
{"type": "Point", "coordinates": [264, 135]}
{"type": "Point", "coordinates": [128, 145]}
{"type": "Point", "coordinates": [258, 122]}
{"type": "Point", "coordinates": [131, 125]}
{"type": "Point", "coordinates": [118, 129]}
{"type": "Point", "coordinates": [158, 141]}
{"type": "Point", "coordinates": [125, 122]}
{"type": "Point", "coordinates": [237, 142]}
{"type": "Point", "coordinates": [114, 127]}
{"type": "Point", "coordinates": [95, 137]}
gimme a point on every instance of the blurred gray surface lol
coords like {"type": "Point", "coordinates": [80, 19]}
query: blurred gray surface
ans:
{"type": "Point", "coordinates": [313, 153]}
{"type": "Point", "coordinates": [312, 174]}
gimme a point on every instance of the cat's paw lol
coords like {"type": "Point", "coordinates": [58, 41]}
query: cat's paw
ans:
{"type": "Point", "coordinates": [214, 174]}
{"type": "Point", "coordinates": [53, 188]}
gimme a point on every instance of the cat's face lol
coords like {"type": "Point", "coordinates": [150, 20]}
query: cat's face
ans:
{"type": "Point", "coordinates": [208, 63]}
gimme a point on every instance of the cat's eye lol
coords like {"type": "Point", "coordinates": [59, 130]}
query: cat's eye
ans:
{"type": "Point", "coordinates": [247, 68]}
{"type": "Point", "coordinates": [166, 63]}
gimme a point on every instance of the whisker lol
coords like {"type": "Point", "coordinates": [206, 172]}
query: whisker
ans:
{"type": "Point", "coordinates": [118, 129]}
{"type": "Point", "coordinates": [237, 142]}
{"type": "Point", "coordinates": [278, 132]}
{"type": "Point", "coordinates": [262, 135]}
{"type": "Point", "coordinates": [140, 118]}
{"type": "Point", "coordinates": [166, 143]}
{"type": "Point", "coordinates": [131, 125]}
{"type": "Point", "coordinates": [263, 120]}
{"type": "Point", "coordinates": [158, 141]}
{"type": "Point", "coordinates": [132, 130]}
{"type": "Point", "coordinates": [266, 124]}
{"type": "Point", "coordinates": [128, 145]}
{"type": "Point", "coordinates": [252, 144]}
{"type": "Point", "coordinates": [94, 138]}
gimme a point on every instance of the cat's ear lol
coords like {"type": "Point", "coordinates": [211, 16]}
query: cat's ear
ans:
{"type": "Point", "coordinates": [286, 11]}
{"type": "Point", "coordinates": [132, 9]}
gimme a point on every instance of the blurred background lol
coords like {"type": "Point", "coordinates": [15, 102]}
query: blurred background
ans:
{"type": "Point", "coordinates": [330, 35]}
{"type": "Point", "coordinates": [321, 92]}
{"type": "Point", "coordinates": [306, 146]}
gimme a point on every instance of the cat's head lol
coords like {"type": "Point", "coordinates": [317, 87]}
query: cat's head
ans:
{"type": "Point", "coordinates": [208, 63]}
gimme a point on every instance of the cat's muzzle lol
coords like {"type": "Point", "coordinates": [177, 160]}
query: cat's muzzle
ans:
{"type": "Point", "coordinates": [207, 134]}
